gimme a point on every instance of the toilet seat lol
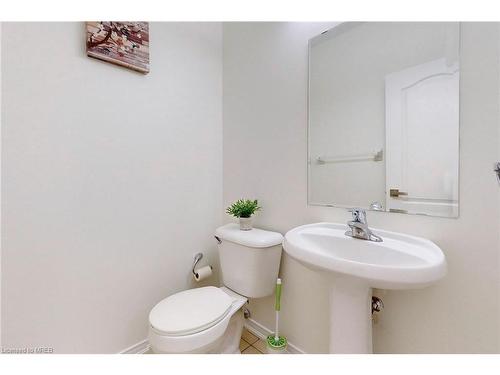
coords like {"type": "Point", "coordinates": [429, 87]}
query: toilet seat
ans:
{"type": "Point", "coordinates": [185, 338]}
{"type": "Point", "coordinates": [190, 311]}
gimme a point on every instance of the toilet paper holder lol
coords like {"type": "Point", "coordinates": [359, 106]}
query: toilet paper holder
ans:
{"type": "Point", "coordinates": [197, 258]}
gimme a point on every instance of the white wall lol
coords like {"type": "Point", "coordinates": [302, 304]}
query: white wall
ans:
{"type": "Point", "coordinates": [265, 92]}
{"type": "Point", "coordinates": [111, 181]}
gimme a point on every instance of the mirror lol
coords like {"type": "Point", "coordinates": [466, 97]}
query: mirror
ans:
{"type": "Point", "coordinates": [384, 117]}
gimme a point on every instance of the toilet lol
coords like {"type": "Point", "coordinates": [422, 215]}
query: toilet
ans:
{"type": "Point", "coordinates": [210, 319]}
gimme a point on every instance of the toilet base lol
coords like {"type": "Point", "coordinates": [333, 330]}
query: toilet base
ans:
{"type": "Point", "coordinates": [231, 338]}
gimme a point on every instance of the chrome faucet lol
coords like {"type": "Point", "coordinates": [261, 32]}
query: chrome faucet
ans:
{"type": "Point", "coordinates": [358, 227]}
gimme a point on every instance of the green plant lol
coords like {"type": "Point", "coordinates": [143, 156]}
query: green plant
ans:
{"type": "Point", "coordinates": [243, 208]}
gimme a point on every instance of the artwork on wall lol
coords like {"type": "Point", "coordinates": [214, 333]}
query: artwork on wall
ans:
{"type": "Point", "coordinates": [121, 43]}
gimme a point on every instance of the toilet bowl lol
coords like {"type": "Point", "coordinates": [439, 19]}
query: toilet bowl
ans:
{"type": "Point", "coordinates": [201, 320]}
{"type": "Point", "coordinates": [210, 319]}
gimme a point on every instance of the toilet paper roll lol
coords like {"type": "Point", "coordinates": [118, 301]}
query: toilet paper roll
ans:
{"type": "Point", "coordinates": [202, 273]}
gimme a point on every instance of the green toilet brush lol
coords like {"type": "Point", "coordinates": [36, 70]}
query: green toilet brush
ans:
{"type": "Point", "coordinates": [276, 344]}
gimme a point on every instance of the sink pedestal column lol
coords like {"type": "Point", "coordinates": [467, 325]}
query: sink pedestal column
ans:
{"type": "Point", "coordinates": [350, 316]}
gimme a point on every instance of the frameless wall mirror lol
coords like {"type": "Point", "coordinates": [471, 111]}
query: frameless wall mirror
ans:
{"type": "Point", "coordinates": [384, 117]}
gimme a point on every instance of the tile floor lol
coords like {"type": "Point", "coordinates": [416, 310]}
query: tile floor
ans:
{"type": "Point", "coordinates": [251, 344]}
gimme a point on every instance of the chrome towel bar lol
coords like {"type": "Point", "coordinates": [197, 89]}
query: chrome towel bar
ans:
{"type": "Point", "coordinates": [376, 156]}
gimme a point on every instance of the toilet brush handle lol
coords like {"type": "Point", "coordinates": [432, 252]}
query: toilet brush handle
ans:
{"type": "Point", "coordinates": [277, 307]}
{"type": "Point", "coordinates": [277, 304]}
{"type": "Point", "coordinates": [276, 333]}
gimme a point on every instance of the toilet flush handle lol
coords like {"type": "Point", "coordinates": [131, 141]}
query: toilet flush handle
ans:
{"type": "Point", "coordinates": [496, 169]}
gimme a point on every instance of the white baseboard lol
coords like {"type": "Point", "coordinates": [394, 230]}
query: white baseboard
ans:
{"type": "Point", "coordinates": [262, 332]}
{"type": "Point", "coordinates": [139, 348]}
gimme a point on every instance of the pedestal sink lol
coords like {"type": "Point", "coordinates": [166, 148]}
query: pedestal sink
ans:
{"type": "Point", "coordinates": [355, 266]}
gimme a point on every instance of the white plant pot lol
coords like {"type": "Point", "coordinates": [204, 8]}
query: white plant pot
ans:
{"type": "Point", "coordinates": [245, 223]}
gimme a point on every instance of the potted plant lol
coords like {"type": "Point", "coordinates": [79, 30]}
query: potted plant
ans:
{"type": "Point", "coordinates": [243, 209]}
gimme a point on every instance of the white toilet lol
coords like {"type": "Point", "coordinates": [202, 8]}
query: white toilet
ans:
{"type": "Point", "coordinates": [210, 319]}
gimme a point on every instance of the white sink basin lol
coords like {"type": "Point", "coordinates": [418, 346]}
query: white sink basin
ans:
{"type": "Point", "coordinates": [399, 262]}
{"type": "Point", "coordinates": [356, 266]}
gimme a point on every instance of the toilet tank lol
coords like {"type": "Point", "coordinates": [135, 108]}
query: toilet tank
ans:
{"type": "Point", "coordinates": [249, 259]}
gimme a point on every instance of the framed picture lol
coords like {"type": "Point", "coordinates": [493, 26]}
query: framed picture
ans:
{"type": "Point", "coordinates": [120, 43]}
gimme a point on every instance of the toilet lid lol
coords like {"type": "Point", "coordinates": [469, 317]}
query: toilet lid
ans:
{"type": "Point", "coordinates": [190, 311]}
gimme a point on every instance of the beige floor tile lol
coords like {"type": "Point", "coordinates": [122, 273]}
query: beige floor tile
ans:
{"type": "Point", "coordinates": [243, 345]}
{"type": "Point", "coordinates": [260, 345]}
{"type": "Point", "coordinates": [250, 350]}
{"type": "Point", "coordinates": [248, 336]}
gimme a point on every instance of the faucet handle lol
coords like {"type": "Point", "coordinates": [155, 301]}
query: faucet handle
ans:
{"type": "Point", "coordinates": [358, 214]}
